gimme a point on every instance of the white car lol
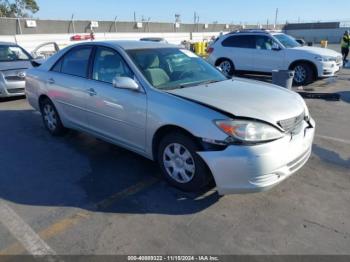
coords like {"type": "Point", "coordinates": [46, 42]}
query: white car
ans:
{"type": "Point", "coordinates": [263, 51]}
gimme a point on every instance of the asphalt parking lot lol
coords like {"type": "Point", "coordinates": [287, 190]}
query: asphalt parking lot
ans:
{"type": "Point", "coordinates": [80, 195]}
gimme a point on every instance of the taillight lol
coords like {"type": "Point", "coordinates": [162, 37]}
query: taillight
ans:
{"type": "Point", "coordinates": [210, 50]}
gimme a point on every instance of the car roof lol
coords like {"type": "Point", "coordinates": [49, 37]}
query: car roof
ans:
{"type": "Point", "coordinates": [255, 32]}
{"type": "Point", "coordinates": [133, 44]}
{"type": "Point", "coordinates": [152, 38]}
{"type": "Point", "coordinates": [123, 44]}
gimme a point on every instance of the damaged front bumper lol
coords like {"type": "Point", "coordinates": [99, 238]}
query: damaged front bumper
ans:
{"type": "Point", "coordinates": [256, 168]}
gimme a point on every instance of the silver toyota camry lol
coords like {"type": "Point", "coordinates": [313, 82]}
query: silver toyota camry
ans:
{"type": "Point", "coordinates": [14, 61]}
{"type": "Point", "coordinates": [169, 105]}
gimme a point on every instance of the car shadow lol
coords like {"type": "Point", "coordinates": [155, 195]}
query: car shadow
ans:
{"type": "Point", "coordinates": [13, 98]}
{"type": "Point", "coordinates": [345, 96]}
{"type": "Point", "coordinates": [323, 96]}
{"type": "Point", "coordinates": [331, 157]}
{"type": "Point", "coordinates": [307, 92]}
{"type": "Point", "coordinates": [262, 77]}
{"type": "Point", "coordinates": [80, 171]}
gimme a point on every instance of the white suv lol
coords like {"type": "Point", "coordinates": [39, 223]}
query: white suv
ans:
{"type": "Point", "coordinates": [262, 51]}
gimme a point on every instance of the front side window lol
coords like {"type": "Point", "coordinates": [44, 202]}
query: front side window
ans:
{"type": "Point", "coordinates": [109, 64]}
{"type": "Point", "coordinates": [172, 68]}
{"type": "Point", "coordinates": [287, 41]}
{"type": "Point", "coordinates": [263, 42]}
{"type": "Point", "coordinates": [10, 53]}
{"type": "Point", "coordinates": [240, 41]}
{"type": "Point", "coordinates": [75, 62]}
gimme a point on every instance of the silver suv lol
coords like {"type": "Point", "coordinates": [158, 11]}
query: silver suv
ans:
{"type": "Point", "coordinates": [14, 61]}
{"type": "Point", "coordinates": [169, 105]}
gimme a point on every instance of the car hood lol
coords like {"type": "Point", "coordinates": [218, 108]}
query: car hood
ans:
{"type": "Point", "coordinates": [15, 65]}
{"type": "Point", "coordinates": [247, 98]}
{"type": "Point", "coordinates": [318, 51]}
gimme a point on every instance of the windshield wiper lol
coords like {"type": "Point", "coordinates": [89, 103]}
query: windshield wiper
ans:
{"type": "Point", "coordinates": [198, 83]}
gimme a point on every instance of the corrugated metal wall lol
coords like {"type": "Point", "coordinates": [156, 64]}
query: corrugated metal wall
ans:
{"type": "Point", "coordinates": [333, 36]}
{"type": "Point", "coordinates": [13, 26]}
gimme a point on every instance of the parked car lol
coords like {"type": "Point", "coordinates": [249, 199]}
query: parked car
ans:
{"type": "Point", "coordinates": [169, 105]}
{"type": "Point", "coordinates": [154, 39]}
{"type": "Point", "coordinates": [14, 61]}
{"type": "Point", "coordinates": [263, 51]}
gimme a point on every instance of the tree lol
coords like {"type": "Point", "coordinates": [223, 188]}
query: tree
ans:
{"type": "Point", "coordinates": [18, 8]}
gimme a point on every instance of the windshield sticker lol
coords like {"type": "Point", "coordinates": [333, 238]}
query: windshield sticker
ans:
{"type": "Point", "coordinates": [188, 53]}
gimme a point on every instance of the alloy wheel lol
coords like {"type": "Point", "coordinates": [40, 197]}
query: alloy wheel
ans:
{"type": "Point", "coordinates": [226, 67]}
{"type": "Point", "coordinates": [300, 74]}
{"type": "Point", "coordinates": [50, 117]}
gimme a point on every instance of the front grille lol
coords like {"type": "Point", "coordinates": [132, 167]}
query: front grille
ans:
{"type": "Point", "coordinates": [14, 78]}
{"type": "Point", "coordinates": [291, 125]}
{"type": "Point", "coordinates": [15, 90]}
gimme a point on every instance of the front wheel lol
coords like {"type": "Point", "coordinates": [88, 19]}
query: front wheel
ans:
{"type": "Point", "coordinates": [303, 75]}
{"type": "Point", "coordinates": [181, 166]}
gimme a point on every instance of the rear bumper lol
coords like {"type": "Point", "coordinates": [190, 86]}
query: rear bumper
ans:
{"type": "Point", "coordinates": [245, 169]}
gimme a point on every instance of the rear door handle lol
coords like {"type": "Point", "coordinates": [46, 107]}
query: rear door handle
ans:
{"type": "Point", "coordinates": [91, 92]}
{"type": "Point", "coordinates": [50, 81]}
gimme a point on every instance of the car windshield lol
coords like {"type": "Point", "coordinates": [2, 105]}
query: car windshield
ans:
{"type": "Point", "coordinates": [9, 53]}
{"type": "Point", "coordinates": [287, 41]}
{"type": "Point", "coordinates": [172, 68]}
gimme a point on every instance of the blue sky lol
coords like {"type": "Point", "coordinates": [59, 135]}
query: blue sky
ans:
{"type": "Point", "coordinates": [225, 11]}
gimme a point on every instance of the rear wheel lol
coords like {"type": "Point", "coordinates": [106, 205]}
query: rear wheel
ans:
{"type": "Point", "coordinates": [227, 67]}
{"type": "Point", "coordinates": [181, 166]}
{"type": "Point", "coordinates": [303, 74]}
{"type": "Point", "coordinates": [51, 118]}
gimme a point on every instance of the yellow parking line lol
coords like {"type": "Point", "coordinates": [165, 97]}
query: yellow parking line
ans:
{"type": "Point", "coordinates": [127, 192]}
{"type": "Point", "coordinates": [48, 233]}
{"type": "Point", "coordinates": [68, 222]}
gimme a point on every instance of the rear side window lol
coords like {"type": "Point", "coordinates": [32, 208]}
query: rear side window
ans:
{"type": "Point", "coordinates": [75, 62]}
{"type": "Point", "coordinates": [240, 41]}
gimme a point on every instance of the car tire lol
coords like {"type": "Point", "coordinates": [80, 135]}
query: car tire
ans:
{"type": "Point", "coordinates": [303, 75]}
{"type": "Point", "coordinates": [51, 118]}
{"type": "Point", "coordinates": [181, 166]}
{"type": "Point", "coordinates": [227, 67]}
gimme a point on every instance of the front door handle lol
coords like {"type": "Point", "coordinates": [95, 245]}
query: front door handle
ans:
{"type": "Point", "coordinates": [51, 81]}
{"type": "Point", "coordinates": [91, 92]}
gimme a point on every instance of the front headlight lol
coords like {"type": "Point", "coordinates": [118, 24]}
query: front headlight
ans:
{"type": "Point", "coordinates": [249, 131]}
{"type": "Point", "coordinates": [326, 58]}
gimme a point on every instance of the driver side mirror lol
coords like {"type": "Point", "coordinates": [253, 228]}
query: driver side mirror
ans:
{"type": "Point", "coordinates": [125, 83]}
{"type": "Point", "coordinates": [36, 62]}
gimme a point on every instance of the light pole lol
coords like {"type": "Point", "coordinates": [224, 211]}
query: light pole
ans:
{"type": "Point", "coordinates": [276, 17]}
{"type": "Point", "coordinates": [177, 20]}
{"type": "Point", "coordinates": [72, 19]}
{"type": "Point", "coordinates": [115, 23]}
